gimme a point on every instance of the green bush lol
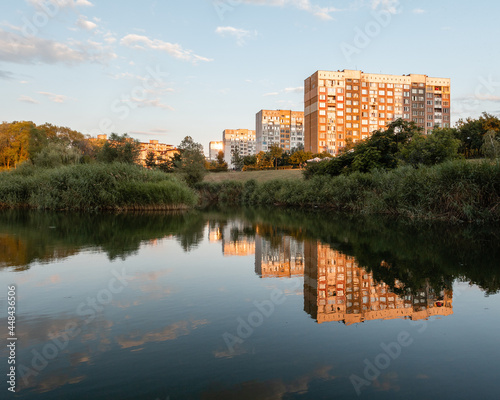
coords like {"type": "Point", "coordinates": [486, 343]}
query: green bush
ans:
{"type": "Point", "coordinates": [93, 187]}
{"type": "Point", "coordinates": [455, 190]}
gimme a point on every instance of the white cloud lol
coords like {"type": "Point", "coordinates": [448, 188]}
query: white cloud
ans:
{"type": "Point", "coordinates": [175, 50]}
{"type": "Point", "coordinates": [27, 99]}
{"type": "Point", "coordinates": [155, 103]}
{"type": "Point", "coordinates": [392, 6]}
{"type": "Point", "coordinates": [239, 34]}
{"type": "Point", "coordinates": [109, 38]}
{"type": "Point", "coordinates": [56, 98]}
{"type": "Point", "coordinates": [19, 49]}
{"type": "Point", "coordinates": [152, 132]}
{"type": "Point", "coordinates": [418, 11]}
{"type": "Point", "coordinates": [271, 94]}
{"type": "Point", "coordinates": [83, 23]}
{"type": "Point", "coordinates": [61, 3]}
{"type": "Point", "coordinates": [304, 5]}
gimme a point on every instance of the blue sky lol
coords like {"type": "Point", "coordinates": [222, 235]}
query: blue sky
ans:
{"type": "Point", "coordinates": [166, 69]}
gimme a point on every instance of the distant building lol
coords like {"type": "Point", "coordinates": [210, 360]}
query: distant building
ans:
{"type": "Point", "coordinates": [350, 105]}
{"type": "Point", "coordinates": [214, 148]}
{"type": "Point", "coordinates": [282, 127]}
{"type": "Point", "coordinates": [162, 151]}
{"type": "Point", "coordinates": [241, 139]}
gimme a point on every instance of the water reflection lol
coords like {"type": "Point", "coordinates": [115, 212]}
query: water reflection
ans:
{"type": "Point", "coordinates": [336, 288]}
{"type": "Point", "coordinates": [186, 272]}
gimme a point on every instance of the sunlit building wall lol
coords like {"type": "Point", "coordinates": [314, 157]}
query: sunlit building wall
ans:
{"type": "Point", "coordinates": [214, 148]}
{"type": "Point", "coordinates": [350, 105]}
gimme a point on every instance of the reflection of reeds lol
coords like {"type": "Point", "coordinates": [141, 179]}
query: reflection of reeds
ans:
{"type": "Point", "coordinates": [456, 190]}
{"type": "Point", "coordinates": [92, 187]}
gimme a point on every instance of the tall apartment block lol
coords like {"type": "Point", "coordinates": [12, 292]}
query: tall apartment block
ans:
{"type": "Point", "coordinates": [351, 105]}
{"type": "Point", "coordinates": [282, 127]}
{"type": "Point", "coordinates": [242, 139]}
{"type": "Point", "coordinates": [214, 148]}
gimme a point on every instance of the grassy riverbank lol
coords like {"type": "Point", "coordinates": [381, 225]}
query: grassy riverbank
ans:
{"type": "Point", "coordinates": [456, 191]}
{"type": "Point", "coordinates": [259, 176]}
{"type": "Point", "coordinates": [93, 187]}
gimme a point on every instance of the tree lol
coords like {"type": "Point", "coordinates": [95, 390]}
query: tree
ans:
{"type": "Point", "coordinates": [275, 152]}
{"type": "Point", "coordinates": [165, 164]}
{"type": "Point", "coordinates": [150, 159]}
{"type": "Point", "coordinates": [299, 157]}
{"type": "Point", "coordinates": [381, 150]}
{"type": "Point", "coordinates": [439, 146]}
{"type": "Point", "coordinates": [56, 154]}
{"type": "Point", "coordinates": [191, 161]}
{"type": "Point", "coordinates": [491, 144]}
{"type": "Point", "coordinates": [14, 143]}
{"type": "Point", "coordinates": [250, 160]}
{"type": "Point", "coordinates": [221, 165]}
{"type": "Point", "coordinates": [237, 159]}
{"type": "Point", "coordinates": [120, 149]}
{"type": "Point", "coordinates": [263, 160]}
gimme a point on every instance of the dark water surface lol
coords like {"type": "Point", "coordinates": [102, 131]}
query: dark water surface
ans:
{"type": "Point", "coordinates": [249, 304]}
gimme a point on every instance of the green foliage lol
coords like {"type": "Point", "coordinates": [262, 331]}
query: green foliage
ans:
{"type": "Point", "coordinates": [437, 147]}
{"type": "Point", "coordinates": [150, 159]}
{"type": "Point", "coordinates": [385, 150]}
{"type": "Point", "coordinates": [120, 148]}
{"type": "Point", "coordinates": [491, 144]}
{"type": "Point", "coordinates": [237, 160]}
{"type": "Point", "coordinates": [471, 133]}
{"type": "Point", "coordinates": [275, 152]}
{"type": "Point", "coordinates": [299, 157]}
{"type": "Point", "coordinates": [92, 187]}
{"type": "Point", "coordinates": [454, 190]}
{"type": "Point", "coordinates": [191, 162]}
{"type": "Point", "coordinates": [57, 154]}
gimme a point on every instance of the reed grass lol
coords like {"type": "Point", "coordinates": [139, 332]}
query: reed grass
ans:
{"type": "Point", "coordinates": [455, 191]}
{"type": "Point", "coordinates": [93, 187]}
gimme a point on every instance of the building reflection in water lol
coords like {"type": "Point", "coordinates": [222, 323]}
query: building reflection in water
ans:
{"type": "Point", "coordinates": [335, 287]}
{"type": "Point", "coordinates": [281, 260]}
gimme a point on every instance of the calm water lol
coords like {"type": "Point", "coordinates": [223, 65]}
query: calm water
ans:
{"type": "Point", "coordinates": [249, 305]}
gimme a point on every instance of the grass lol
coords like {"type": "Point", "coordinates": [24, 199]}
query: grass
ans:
{"type": "Point", "coordinates": [93, 187]}
{"type": "Point", "coordinates": [453, 191]}
{"type": "Point", "coordinates": [258, 176]}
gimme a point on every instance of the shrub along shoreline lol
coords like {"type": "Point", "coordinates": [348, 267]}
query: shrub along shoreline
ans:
{"type": "Point", "coordinates": [453, 191]}
{"type": "Point", "coordinates": [88, 187]}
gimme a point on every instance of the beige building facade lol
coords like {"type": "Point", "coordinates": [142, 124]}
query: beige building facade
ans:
{"type": "Point", "coordinates": [350, 105]}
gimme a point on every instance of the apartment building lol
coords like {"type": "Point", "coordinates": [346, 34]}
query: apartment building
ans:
{"type": "Point", "coordinates": [282, 127]}
{"type": "Point", "coordinates": [242, 139]}
{"type": "Point", "coordinates": [214, 148]}
{"type": "Point", "coordinates": [350, 105]}
{"type": "Point", "coordinates": [160, 150]}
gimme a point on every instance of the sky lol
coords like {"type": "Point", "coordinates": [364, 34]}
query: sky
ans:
{"type": "Point", "coordinates": [167, 69]}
